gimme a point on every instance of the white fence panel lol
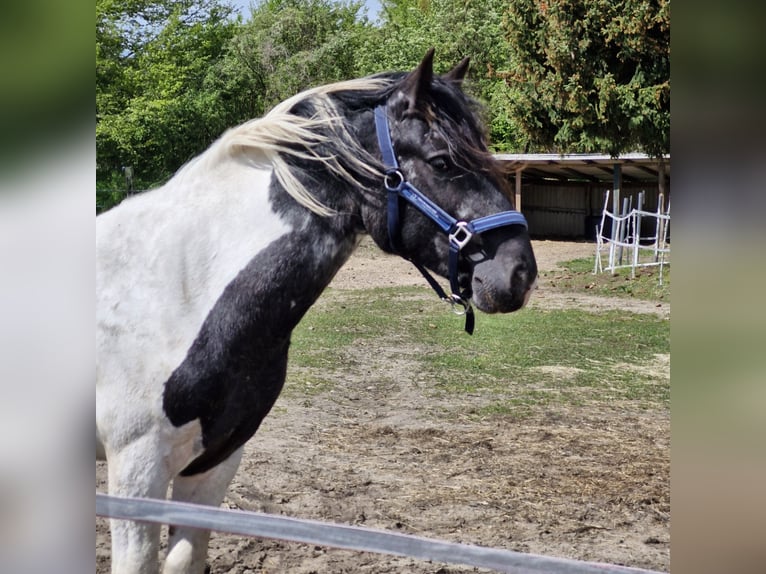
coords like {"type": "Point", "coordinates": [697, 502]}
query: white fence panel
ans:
{"type": "Point", "coordinates": [625, 236]}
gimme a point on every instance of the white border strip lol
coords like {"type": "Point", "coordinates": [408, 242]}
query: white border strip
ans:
{"type": "Point", "coordinates": [313, 532]}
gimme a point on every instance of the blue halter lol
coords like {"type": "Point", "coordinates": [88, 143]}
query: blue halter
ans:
{"type": "Point", "coordinates": [458, 232]}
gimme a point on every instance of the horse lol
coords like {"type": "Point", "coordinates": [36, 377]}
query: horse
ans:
{"type": "Point", "coordinates": [201, 281]}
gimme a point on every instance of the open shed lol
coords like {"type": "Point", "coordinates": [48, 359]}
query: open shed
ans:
{"type": "Point", "coordinates": [563, 195]}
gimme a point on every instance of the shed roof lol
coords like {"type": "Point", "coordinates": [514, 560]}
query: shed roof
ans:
{"type": "Point", "coordinates": [636, 167]}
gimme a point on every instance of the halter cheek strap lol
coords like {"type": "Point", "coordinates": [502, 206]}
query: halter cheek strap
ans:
{"type": "Point", "coordinates": [459, 232]}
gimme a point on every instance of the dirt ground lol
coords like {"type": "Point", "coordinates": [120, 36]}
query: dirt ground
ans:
{"type": "Point", "coordinates": [379, 451]}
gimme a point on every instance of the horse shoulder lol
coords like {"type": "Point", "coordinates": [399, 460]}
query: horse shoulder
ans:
{"type": "Point", "coordinates": [163, 260]}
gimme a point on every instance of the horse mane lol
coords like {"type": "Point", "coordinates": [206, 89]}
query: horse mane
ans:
{"type": "Point", "coordinates": [321, 136]}
{"type": "Point", "coordinates": [309, 127]}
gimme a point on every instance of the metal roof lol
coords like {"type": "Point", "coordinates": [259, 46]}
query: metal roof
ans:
{"type": "Point", "coordinates": [595, 168]}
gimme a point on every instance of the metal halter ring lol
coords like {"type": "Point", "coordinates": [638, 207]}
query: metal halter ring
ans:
{"type": "Point", "coordinates": [461, 236]}
{"type": "Point", "coordinates": [459, 305]}
{"type": "Point", "coordinates": [393, 176]}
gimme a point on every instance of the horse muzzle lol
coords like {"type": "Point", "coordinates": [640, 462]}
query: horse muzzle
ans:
{"type": "Point", "coordinates": [501, 288]}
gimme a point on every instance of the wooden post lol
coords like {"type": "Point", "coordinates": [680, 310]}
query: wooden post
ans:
{"type": "Point", "coordinates": [518, 188]}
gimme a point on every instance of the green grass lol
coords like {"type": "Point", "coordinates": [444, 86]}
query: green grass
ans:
{"type": "Point", "coordinates": [518, 362]}
{"type": "Point", "coordinates": [577, 276]}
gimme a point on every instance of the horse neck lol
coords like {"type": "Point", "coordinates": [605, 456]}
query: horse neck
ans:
{"type": "Point", "coordinates": [240, 242]}
{"type": "Point", "coordinates": [289, 275]}
{"type": "Point", "coordinates": [293, 252]}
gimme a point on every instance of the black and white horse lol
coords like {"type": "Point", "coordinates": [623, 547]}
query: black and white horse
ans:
{"type": "Point", "coordinates": [201, 282]}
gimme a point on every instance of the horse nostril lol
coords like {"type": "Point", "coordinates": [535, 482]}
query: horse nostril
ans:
{"type": "Point", "coordinates": [523, 277]}
{"type": "Point", "coordinates": [520, 275]}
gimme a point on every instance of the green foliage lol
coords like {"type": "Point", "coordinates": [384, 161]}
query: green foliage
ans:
{"type": "Point", "coordinates": [591, 75]}
{"type": "Point", "coordinates": [155, 109]}
{"type": "Point", "coordinates": [505, 130]}
{"type": "Point", "coordinates": [555, 75]}
{"type": "Point", "coordinates": [457, 28]}
{"type": "Point", "coordinates": [286, 47]}
{"type": "Point", "coordinates": [172, 75]}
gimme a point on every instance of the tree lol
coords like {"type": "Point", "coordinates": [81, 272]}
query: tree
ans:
{"type": "Point", "coordinates": [154, 107]}
{"type": "Point", "coordinates": [172, 75]}
{"type": "Point", "coordinates": [456, 28]}
{"type": "Point", "coordinates": [591, 75]}
{"type": "Point", "coordinates": [555, 75]}
{"type": "Point", "coordinates": [286, 47]}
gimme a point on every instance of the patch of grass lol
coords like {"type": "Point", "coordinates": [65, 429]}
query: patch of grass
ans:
{"type": "Point", "coordinates": [327, 342]}
{"type": "Point", "coordinates": [577, 276]}
{"type": "Point", "coordinates": [343, 317]}
{"type": "Point", "coordinates": [574, 353]}
{"type": "Point", "coordinates": [513, 410]}
{"type": "Point", "coordinates": [518, 363]}
{"type": "Point", "coordinates": [309, 382]}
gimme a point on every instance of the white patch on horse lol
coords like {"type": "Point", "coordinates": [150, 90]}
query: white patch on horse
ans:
{"type": "Point", "coordinates": [165, 258]}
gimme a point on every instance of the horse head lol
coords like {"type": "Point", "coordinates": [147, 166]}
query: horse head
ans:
{"type": "Point", "coordinates": [439, 150]}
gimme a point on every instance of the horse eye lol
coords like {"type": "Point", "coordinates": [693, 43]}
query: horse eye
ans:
{"type": "Point", "coordinates": [440, 163]}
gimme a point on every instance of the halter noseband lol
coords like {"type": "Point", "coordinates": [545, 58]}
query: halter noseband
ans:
{"type": "Point", "coordinates": [458, 232]}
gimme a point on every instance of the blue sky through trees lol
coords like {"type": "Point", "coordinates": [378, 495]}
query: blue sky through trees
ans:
{"type": "Point", "coordinates": [243, 6]}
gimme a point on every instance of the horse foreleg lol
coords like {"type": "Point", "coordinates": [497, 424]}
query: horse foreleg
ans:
{"type": "Point", "coordinates": [187, 547]}
{"type": "Point", "coordinates": [136, 471]}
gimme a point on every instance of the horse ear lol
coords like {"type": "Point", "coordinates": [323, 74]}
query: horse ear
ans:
{"type": "Point", "coordinates": [457, 74]}
{"type": "Point", "coordinates": [417, 83]}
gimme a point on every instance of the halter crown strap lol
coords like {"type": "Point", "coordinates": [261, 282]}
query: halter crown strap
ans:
{"type": "Point", "coordinates": [384, 138]}
{"type": "Point", "coordinates": [459, 232]}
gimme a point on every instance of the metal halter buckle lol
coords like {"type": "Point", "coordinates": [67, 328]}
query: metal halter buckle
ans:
{"type": "Point", "coordinates": [461, 236]}
{"type": "Point", "coordinates": [393, 180]}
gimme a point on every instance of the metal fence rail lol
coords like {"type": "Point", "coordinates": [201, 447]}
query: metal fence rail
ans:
{"type": "Point", "coordinates": [313, 532]}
